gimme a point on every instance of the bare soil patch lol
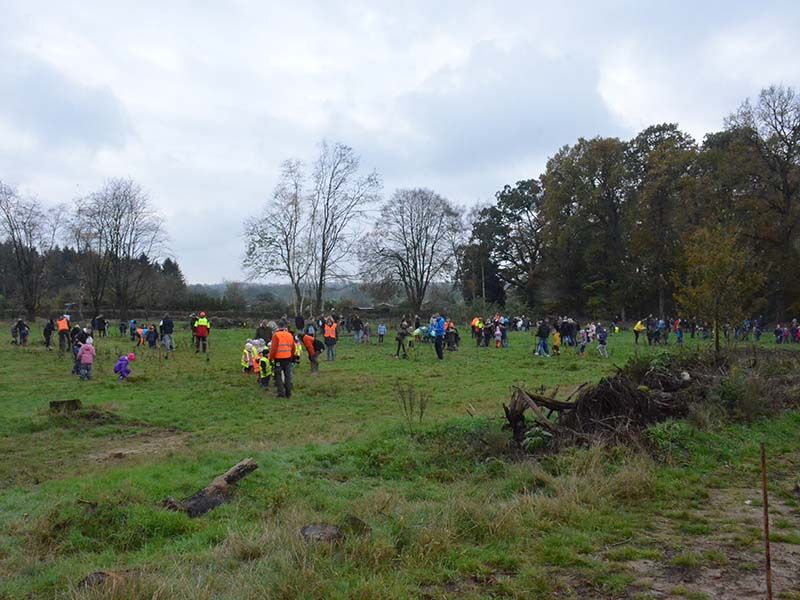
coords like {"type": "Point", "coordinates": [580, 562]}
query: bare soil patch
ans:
{"type": "Point", "coordinates": [728, 562]}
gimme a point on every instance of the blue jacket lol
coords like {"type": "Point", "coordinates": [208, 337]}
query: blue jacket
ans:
{"type": "Point", "coordinates": [438, 328]}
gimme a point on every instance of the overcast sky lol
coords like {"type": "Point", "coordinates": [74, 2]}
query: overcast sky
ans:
{"type": "Point", "coordinates": [200, 101]}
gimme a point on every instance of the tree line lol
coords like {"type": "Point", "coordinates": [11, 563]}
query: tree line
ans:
{"type": "Point", "coordinates": [616, 227]}
{"type": "Point", "coordinates": [104, 251]}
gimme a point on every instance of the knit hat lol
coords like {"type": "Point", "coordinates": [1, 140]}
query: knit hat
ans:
{"type": "Point", "coordinates": [131, 357]}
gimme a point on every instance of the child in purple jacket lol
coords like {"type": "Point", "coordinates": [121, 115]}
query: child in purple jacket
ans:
{"type": "Point", "coordinates": [122, 368]}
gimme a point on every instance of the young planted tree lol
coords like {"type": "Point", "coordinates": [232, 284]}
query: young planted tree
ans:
{"type": "Point", "coordinates": [720, 280]}
{"type": "Point", "coordinates": [31, 235]}
{"type": "Point", "coordinates": [412, 243]}
{"type": "Point", "coordinates": [279, 241]}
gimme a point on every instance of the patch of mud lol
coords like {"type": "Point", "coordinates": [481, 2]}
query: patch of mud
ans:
{"type": "Point", "coordinates": [146, 443]}
{"type": "Point", "coordinates": [470, 587]}
{"type": "Point", "coordinates": [731, 556]}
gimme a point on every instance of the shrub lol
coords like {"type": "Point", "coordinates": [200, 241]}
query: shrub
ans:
{"type": "Point", "coordinates": [669, 438]}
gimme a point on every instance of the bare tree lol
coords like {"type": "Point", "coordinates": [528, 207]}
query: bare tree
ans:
{"type": "Point", "coordinates": [118, 235]}
{"type": "Point", "coordinates": [90, 230]}
{"type": "Point", "coordinates": [31, 233]}
{"type": "Point", "coordinates": [278, 243]}
{"type": "Point", "coordinates": [413, 242]}
{"type": "Point", "coordinates": [339, 197]}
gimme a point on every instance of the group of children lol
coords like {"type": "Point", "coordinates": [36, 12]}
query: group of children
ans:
{"type": "Point", "coordinates": [496, 328]}
{"type": "Point", "coordinates": [255, 360]}
{"type": "Point", "coordinates": [364, 336]}
{"type": "Point", "coordinates": [592, 332]}
{"type": "Point", "coordinates": [142, 336]}
{"type": "Point", "coordinates": [787, 335]}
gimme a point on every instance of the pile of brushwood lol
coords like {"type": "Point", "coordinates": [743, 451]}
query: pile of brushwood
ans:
{"type": "Point", "coordinates": [739, 382]}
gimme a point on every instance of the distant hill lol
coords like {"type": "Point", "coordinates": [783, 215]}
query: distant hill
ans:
{"type": "Point", "coordinates": [282, 291]}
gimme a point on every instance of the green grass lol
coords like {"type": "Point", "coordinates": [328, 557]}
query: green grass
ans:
{"type": "Point", "coordinates": [450, 510]}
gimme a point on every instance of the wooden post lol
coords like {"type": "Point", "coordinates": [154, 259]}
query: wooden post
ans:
{"type": "Point", "coordinates": [765, 499]}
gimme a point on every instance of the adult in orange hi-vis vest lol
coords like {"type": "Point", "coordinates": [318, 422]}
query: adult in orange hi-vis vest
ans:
{"type": "Point", "coordinates": [329, 331]}
{"type": "Point", "coordinates": [281, 354]}
{"type": "Point", "coordinates": [63, 327]}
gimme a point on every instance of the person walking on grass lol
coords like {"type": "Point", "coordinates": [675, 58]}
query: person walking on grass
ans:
{"type": "Point", "coordinates": [49, 329]}
{"type": "Point", "coordinates": [63, 328]}
{"type": "Point", "coordinates": [358, 328]}
{"type": "Point", "coordinates": [637, 330]}
{"type": "Point", "coordinates": [585, 338]}
{"type": "Point", "coordinates": [312, 350]}
{"type": "Point", "coordinates": [167, 330]}
{"type": "Point", "coordinates": [437, 331]}
{"type": "Point", "coordinates": [79, 337]}
{"type": "Point", "coordinates": [202, 327]}
{"type": "Point", "coordinates": [151, 336]}
{"type": "Point", "coordinates": [542, 335]}
{"type": "Point", "coordinates": [282, 355]}
{"type": "Point", "coordinates": [329, 333]}
{"type": "Point", "coordinates": [86, 354]}
{"type": "Point", "coordinates": [265, 369]}
{"type": "Point", "coordinates": [23, 331]}
{"type": "Point", "coordinates": [602, 340]}
{"type": "Point", "coordinates": [556, 342]}
{"type": "Point", "coordinates": [402, 334]}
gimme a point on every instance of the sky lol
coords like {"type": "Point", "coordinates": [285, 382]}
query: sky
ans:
{"type": "Point", "coordinates": [199, 102]}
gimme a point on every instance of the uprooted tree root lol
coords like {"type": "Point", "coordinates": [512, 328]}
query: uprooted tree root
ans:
{"type": "Point", "coordinates": [619, 407]}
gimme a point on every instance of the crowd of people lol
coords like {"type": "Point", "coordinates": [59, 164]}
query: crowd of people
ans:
{"type": "Point", "coordinates": [277, 347]}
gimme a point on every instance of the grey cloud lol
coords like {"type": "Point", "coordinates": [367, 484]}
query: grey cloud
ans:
{"type": "Point", "coordinates": [506, 104]}
{"type": "Point", "coordinates": [39, 100]}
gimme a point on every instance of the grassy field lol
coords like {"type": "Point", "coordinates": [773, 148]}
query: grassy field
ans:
{"type": "Point", "coordinates": [441, 508]}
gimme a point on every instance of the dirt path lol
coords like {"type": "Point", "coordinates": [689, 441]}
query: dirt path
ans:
{"type": "Point", "coordinates": [717, 552]}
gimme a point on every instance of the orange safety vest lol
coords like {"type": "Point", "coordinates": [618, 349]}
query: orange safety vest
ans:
{"type": "Point", "coordinates": [330, 330]}
{"type": "Point", "coordinates": [62, 325]}
{"type": "Point", "coordinates": [283, 346]}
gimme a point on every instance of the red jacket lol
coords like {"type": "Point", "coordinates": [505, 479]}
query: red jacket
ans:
{"type": "Point", "coordinates": [308, 342]}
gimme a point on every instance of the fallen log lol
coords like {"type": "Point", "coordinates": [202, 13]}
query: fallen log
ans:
{"type": "Point", "coordinates": [62, 406]}
{"type": "Point", "coordinates": [215, 493]}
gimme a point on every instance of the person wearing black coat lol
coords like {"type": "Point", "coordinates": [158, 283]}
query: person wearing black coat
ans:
{"type": "Point", "coordinates": [49, 329]}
